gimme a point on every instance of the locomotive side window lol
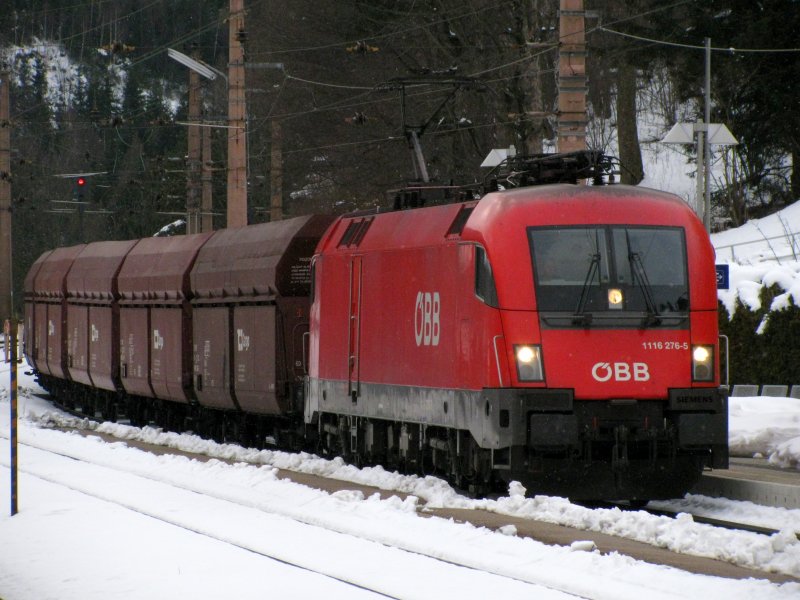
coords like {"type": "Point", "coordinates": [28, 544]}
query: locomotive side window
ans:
{"type": "Point", "coordinates": [589, 270]}
{"type": "Point", "coordinates": [484, 280]}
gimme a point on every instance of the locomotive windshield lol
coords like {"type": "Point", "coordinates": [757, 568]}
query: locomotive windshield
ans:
{"type": "Point", "coordinates": [611, 271]}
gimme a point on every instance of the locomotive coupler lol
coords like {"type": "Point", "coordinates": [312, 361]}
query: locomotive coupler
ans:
{"type": "Point", "coordinates": [619, 452]}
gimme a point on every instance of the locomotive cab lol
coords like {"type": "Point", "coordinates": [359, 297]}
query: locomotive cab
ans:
{"type": "Point", "coordinates": [609, 323]}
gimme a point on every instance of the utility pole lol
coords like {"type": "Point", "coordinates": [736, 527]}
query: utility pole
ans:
{"type": "Point", "coordinates": [206, 218]}
{"type": "Point", "coordinates": [6, 274]}
{"type": "Point", "coordinates": [276, 173]}
{"type": "Point", "coordinates": [193, 154]}
{"type": "Point", "coordinates": [571, 123]}
{"type": "Point", "coordinates": [6, 278]}
{"type": "Point", "coordinates": [237, 134]}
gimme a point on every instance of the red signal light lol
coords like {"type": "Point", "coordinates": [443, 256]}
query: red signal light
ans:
{"type": "Point", "coordinates": [81, 181]}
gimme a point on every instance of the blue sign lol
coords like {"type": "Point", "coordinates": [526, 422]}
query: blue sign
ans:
{"type": "Point", "coordinates": [723, 277]}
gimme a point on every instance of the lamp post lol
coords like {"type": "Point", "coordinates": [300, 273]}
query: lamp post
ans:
{"type": "Point", "coordinates": [703, 135]}
{"type": "Point", "coordinates": [197, 68]}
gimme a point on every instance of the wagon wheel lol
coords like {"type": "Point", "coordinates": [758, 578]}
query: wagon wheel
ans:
{"type": "Point", "coordinates": [109, 410]}
{"type": "Point", "coordinates": [88, 407]}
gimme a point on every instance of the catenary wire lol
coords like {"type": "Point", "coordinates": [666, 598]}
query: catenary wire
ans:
{"type": "Point", "coordinates": [730, 50]}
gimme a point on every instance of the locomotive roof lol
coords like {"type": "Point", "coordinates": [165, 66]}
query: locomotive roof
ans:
{"type": "Point", "coordinates": [496, 212]}
{"type": "Point", "coordinates": [404, 228]}
{"type": "Point", "coordinates": [565, 204]}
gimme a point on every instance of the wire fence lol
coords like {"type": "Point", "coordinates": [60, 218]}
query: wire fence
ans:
{"type": "Point", "coordinates": [779, 248]}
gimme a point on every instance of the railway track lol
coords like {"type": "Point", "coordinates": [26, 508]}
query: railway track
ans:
{"type": "Point", "coordinates": [607, 541]}
{"type": "Point", "coordinates": [722, 523]}
{"type": "Point", "coordinates": [182, 524]}
{"type": "Point", "coordinates": [698, 518]}
{"type": "Point", "coordinates": [413, 559]}
{"type": "Point", "coordinates": [482, 518]}
{"type": "Point", "coordinates": [509, 578]}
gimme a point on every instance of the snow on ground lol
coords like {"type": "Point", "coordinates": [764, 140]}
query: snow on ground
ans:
{"type": "Point", "coordinates": [96, 548]}
{"type": "Point", "coordinates": [768, 427]}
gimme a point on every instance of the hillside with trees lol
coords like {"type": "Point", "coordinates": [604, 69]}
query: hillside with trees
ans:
{"type": "Point", "coordinates": [93, 91]}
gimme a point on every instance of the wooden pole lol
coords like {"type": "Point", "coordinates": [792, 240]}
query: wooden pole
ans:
{"type": "Point", "coordinates": [571, 127]}
{"type": "Point", "coordinates": [193, 156]}
{"type": "Point", "coordinates": [237, 135]}
{"type": "Point", "coordinates": [206, 217]}
{"type": "Point", "coordinates": [6, 275]}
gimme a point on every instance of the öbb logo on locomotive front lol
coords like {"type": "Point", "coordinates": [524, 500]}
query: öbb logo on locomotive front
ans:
{"type": "Point", "coordinates": [620, 371]}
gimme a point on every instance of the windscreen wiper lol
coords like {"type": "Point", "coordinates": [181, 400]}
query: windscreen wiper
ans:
{"type": "Point", "coordinates": [581, 317]}
{"type": "Point", "coordinates": [640, 276]}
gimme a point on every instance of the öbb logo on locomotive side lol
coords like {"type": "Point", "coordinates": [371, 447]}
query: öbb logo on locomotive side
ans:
{"type": "Point", "coordinates": [620, 371]}
{"type": "Point", "coordinates": [426, 319]}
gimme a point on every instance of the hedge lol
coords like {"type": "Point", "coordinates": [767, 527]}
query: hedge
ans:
{"type": "Point", "coordinates": [764, 344]}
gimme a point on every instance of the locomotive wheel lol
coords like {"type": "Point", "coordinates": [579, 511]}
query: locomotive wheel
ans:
{"type": "Point", "coordinates": [477, 474]}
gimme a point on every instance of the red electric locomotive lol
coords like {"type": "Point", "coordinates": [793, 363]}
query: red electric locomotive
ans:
{"type": "Point", "coordinates": [563, 336]}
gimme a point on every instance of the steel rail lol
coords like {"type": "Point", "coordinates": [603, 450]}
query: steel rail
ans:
{"type": "Point", "coordinates": [299, 519]}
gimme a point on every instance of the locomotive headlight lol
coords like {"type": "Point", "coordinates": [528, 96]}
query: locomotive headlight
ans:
{"type": "Point", "coordinates": [525, 354]}
{"type": "Point", "coordinates": [702, 363]}
{"type": "Point", "coordinates": [615, 298]}
{"type": "Point", "coordinates": [529, 362]}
